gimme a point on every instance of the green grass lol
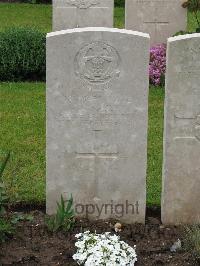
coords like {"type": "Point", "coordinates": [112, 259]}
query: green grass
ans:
{"type": "Point", "coordinates": [155, 145]}
{"type": "Point", "coordinates": [22, 131]}
{"type": "Point", "coordinates": [37, 16]}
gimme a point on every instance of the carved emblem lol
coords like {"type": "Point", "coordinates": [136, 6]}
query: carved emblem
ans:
{"type": "Point", "coordinates": [197, 127]}
{"type": "Point", "coordinates": [97, 62]}
{"type": "Point", "coordinates": [83, 3]}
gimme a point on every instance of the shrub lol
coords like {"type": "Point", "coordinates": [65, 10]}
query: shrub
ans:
{"type": "Point", "coordinates": [157, 66]}
{"type": "Point", "coordinates": [194, 7]}
{"type": "Point", "coordinates": [6, 229]}
{"type": "Point", "coordinates": [120, 3]}
{"type": "Point", "coordinates": [22, 54]}
{"type": "Point", "coordinates": [182, 33]}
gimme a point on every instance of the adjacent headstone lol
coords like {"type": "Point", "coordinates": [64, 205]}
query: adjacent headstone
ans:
{"type": "Point", "coordinates": [97, 108]}
{"type": "Point", "coordinates": [160, 18]}
{"type": "Point", "coordinates": [181, 171]}
{"type": "Point", "coordinates": [68, 14]}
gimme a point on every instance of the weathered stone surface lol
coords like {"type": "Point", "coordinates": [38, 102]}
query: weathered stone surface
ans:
{"type": "Point", "coordinates": [69, 14]}
{"type": "Point", "coordinates": [97, 105]}
{"type": "Point", "coordinates": [160, 18]}
{"type": "Point", "coordinates": [181, 171]}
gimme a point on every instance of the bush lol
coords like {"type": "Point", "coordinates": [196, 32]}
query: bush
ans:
{"type": "Point", "coordinates": [22, 55]}
{"type": "Point", "coordinates": [157, 66]}
{"type": "Point", "coordinates": [120, 3]}
{"type": "Point", "coordinates": [193, 6]}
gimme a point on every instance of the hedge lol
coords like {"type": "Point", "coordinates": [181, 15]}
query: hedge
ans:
{"type": "Point", "coordinates": [120, 3]}
{"type": "Point", "coordinates": [22, 54]}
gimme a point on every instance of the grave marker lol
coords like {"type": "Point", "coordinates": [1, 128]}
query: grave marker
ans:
{"type": "Point", "coordinates": [97, 108]}
{"type": "Point", "coordinates": [69, 14]}
{"type": "Point", "coordinates": [181, 170]}
{"type": "Point", "coordinates": [160, 18]}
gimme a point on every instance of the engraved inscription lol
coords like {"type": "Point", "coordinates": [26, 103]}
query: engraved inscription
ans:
{"type": "Point", "coordinates": [83, 3]}
{"type": "Point", "coordinates": [97, 62]}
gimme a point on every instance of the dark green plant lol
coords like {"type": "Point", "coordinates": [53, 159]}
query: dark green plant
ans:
{"type": "Point", "coordinates": [194, 7]}
{"type": "Point", "coordinates": [119, 3]}
{"type": "Point", "coordinates": [192, 240]}
{"type": "Point", "coordinates": [22, 54]}
{"type": "Point", "coordinates": [64, 217]}
{"type": "Point", "coordinates": [6, 229]}
{"type": "Point", "coordinates": [3, 196]}
{"type": "Point", "coordinates": [181, 33]}
{"type": "Point", "coordinates": [20, 217]}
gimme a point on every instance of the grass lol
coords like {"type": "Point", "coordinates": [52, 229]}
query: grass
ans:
{"type": "Point", "coordinates": [155, 145]}
{"type": "Point", "coordinates": [37, 16]}
{"type": "Point", "coordinates": [22, 131]}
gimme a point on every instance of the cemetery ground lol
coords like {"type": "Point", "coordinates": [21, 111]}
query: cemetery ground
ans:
{"type": "Point", "coordinates": [22, 109]}
{"type": "Point", "coordinates": [40, 16]}
{"type": "Point", "coordinates": [22, 131]}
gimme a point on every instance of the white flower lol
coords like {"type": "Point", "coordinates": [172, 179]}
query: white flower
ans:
{"type": "Point", "coordinates": [103, 249]}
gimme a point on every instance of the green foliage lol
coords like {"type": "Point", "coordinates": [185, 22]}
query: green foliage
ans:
{"type": "Point", "coordinates": [22, 54]}
{"type": "Point", "coordinates": [193, 6]}
{"type": "Point", "coordinates": [192, 240]}
{"type": "Point", "coordinates": [6, 229]}
{"type": "Point", "coordinates": [119, 3]}
{"type": "Point", "coordinates": [3, 196]}
{"type": "Point", "coordinates": [64, 217]}
{"type": "Point", "coordinates": [20, 217]}
{"type": "Point", "coordinates": [182, 32]}
{"type": "Point", "coordinates": [36, 1]}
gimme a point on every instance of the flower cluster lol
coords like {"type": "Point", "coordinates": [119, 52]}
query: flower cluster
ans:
{"type": "Point", "coordinates": [157, 66]}
{"type": "Point", "coordinates": [103, 249]}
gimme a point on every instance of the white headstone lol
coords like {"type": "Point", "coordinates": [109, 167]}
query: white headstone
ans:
{"type": "Point", "coordinates": [160, 18]}
{"type": "Point", "coordinates": [69, 14]}
{"type": "Point", "coordinates": [181, 171]}
{"type": "Point", "coordinates": [97, 108]}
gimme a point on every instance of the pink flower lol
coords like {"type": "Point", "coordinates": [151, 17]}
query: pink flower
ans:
{"type": "Point", "coordinates": [157, 65]}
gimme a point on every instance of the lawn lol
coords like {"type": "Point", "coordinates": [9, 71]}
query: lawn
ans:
{"type": "Point", "coordinates": [22, 131]}
{"type": "Point", "coordinates": [38, 16]}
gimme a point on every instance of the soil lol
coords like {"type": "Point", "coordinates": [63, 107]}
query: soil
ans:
{"type": "Point", "coordinates": [33, 244]}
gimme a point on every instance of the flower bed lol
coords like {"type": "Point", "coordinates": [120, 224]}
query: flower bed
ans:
{"type": "Point", "coordinates": [157, 66]}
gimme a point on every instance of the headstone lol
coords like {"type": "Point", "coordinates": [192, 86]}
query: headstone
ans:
{"type": "Point", "coordinates": [181, 171]}
{"type": "Point", "coordinates": [97, 108]}
{"type": "Point", "coordinates": [160, 18]}
{"type": "Point", "coordinates": [69, 14]}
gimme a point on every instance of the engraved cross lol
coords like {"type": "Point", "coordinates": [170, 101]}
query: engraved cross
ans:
{"type": "Point", "coordinates": [100, 150]}
{"type": "Point", "coordinates": [195, 127]}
